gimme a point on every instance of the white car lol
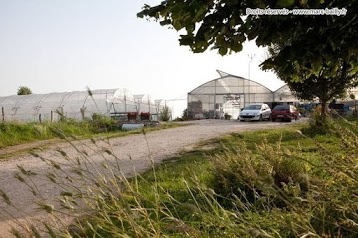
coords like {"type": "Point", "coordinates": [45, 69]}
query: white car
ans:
{"type": "Point", "coordinates": [255, 112]}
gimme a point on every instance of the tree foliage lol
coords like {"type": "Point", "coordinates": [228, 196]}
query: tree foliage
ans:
{"type": "Point", "coordinates": [333, 77]}
{"type": "Point", "coordinates": [325, 89]}
{"type": "Point", "coordinates": [224, 25]}
{"type": "Point", "coordinates": [314, 49]}
{"type": "Point", "coordinates": [23, 90]}
{"type": "Point", "coordinates": [165, 113]}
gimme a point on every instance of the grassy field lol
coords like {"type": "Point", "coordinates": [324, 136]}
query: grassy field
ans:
{"type": "Point", "coordinates": [12, 133]}
{"type": "Point", "coordinates": [270, 183]}
{"type": "Point", "coordinates": [291, 182]}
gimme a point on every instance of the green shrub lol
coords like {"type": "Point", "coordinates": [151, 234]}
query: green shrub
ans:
{"type": "Point", "coordinates": [318, 124]}
{"type": "Point", "coordinates": [102, 123]}
{"type": "Point", "coordinates": [263, 173]}
{"type": "Point", "coordinates": [320, 192]}
{"type": "Point", "coordinates": [165, 113]}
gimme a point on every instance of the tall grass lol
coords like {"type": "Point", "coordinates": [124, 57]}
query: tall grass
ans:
{"type": "Point", "coordinates": [15, 133]}
{"type": "Point", "coordinates": [261, 184]}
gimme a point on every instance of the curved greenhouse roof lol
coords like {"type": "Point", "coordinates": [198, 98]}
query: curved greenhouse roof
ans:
{"type": "Point", "coordinates": [284, 94]}
{"type": "Point", "coordinates": [145, 103]}
{"type": "Point", "coordinates": [231, 86]}
{"type": "Point", "coordinates": [77, 104]}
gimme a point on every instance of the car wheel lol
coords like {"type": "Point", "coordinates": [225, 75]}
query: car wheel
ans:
{"type": "Point", "coordinates": [269, 118]}
{"type": "Point", "coordinates": [260, 118]}
{"type": "Point", "coordinates": [273, 119]}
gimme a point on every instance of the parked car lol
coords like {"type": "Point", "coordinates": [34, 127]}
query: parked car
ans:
{"type": "Point", "coordinates": [285, 113]}
{"type": "Point", "coordinates": [199, 116]}
{"type": "Point", "coordinates": [255, 112]}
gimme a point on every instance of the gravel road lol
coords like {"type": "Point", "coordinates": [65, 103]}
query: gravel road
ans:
{"type": "Point", "coordinates": [132, 151]}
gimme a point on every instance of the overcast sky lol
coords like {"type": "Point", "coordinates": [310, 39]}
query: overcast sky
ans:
{"type": "Point", "coordinates": [67, 45]}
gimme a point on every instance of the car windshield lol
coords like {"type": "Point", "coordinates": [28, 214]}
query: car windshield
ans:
{"type": "Point", "coordinates": [253, 107]}
{"type": "Point", "coordinates": [281, 108]}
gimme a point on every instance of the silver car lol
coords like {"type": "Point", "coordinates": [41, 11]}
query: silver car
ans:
{"type": "Point", "coordinates": [255, 112]}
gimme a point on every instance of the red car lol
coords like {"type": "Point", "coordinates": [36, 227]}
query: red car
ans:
{"type": "Point", "coordinates": [285, 113]}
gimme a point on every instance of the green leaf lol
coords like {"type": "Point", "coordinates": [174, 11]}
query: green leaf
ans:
{"type": "Point", "coordinates": [165, 22]}
{"type": "Point", "coordinates": [186, 40]}
{"type": "Point", "coordinates": [303, 2]}
{"type": "Point", "coordinates": [222, 51]}
{"type": "Point", "coordinates": [232, 2]}
{"type": "Point", "coordinates": [236, 47]}
{"type": "Point", "coordinates": [285, 3]}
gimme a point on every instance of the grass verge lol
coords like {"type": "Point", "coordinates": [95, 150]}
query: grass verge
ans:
{"type": "Point", "coordinates": [12, 133]}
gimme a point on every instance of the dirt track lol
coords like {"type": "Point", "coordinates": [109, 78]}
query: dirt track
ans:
{"type": "Point", "coordinates": [132, 151]}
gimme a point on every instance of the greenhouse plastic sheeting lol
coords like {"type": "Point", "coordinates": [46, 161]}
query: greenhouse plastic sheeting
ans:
{"type": "Point", "coordinates": [229, 93]}
{"type": "Point", "coordinates": [77, 105]}
{"type": "Point", "coordinates": [145, 103]}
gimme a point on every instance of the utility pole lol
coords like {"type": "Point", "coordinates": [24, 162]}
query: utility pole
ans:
{"type": "Point", "coordinates": [251, 57]}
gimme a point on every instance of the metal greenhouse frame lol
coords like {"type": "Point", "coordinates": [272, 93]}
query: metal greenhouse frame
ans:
{"type": "Point", "coordinates": [77, 105]}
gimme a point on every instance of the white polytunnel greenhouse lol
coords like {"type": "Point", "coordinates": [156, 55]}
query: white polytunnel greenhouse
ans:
{"type": "Point", "coordinates": [145, 103]}
{"type": "Point", "coordinates": [160, 103]}
{"type": "Point", "coordinates": [229, 93]}
{"type": "Point", "coordinates": [77, 105]}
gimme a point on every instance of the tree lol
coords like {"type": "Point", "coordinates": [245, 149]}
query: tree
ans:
{"type": "Point", "coordinates": [302, 47]}
{"type": "Point", "coordinates": [329, 88]}
{"type": "Point", "coordinates": [333, 78]}
{"type": "Point", "coordinates": [165, 113]}
{"type": "Point", "coordinates": [185, 114]}
{"type": "Point", "coordinates": [23, 90]}
{"type": "Point", "coordinates": [353, 97]}
{"type": "Point", "coordinates": [224, 24]}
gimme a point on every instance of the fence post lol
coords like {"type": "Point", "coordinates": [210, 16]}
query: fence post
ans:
{"type": "Point", "coordinates": [51, 116]}
{"type": "Point", "coordinates": [82, 111]}
{"type": "Point", "coordinates": [3, 114]}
